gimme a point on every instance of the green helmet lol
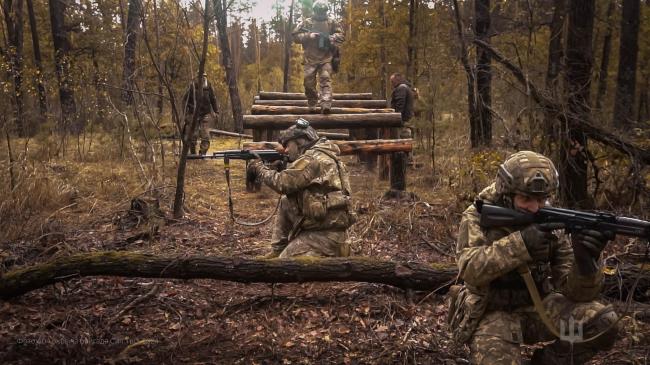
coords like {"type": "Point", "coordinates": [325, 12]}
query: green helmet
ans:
{"type": "Point", "coordinates": [528, 173]}
{"type": "Point", "coordinates": [320, 8]}
{"type": "Point", "coordinates": [301, 129]}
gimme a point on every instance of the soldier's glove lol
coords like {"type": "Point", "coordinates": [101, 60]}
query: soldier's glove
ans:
{"type": "Point", "coordinates": [255, 167]}
{"type": "Point", "coordinates": [587, 246]}
{"type": "Point", "coordinates": [277, 165]}
{"type": "Point", "coordinates": [538, 239]}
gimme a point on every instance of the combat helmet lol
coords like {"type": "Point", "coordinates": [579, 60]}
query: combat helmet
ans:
{"type": "Point", "coordinates": [301, 129]}
{"type": "Point", "coordinates": [320, 10]}
{"type": "Point", "coordinates": [527, 173]}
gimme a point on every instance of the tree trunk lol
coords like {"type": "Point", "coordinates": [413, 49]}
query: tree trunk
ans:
{"type": "Point", "coordinates": [375, 146]}
{"type": "Point", "coordinates": [130, 46]}
{"type": "Point", "coordinates": [555, 53]}
{"type": "Point", "coordinates": [604, 62]}
{"type": "Point", "coordinates": [63, 66]}
{"type": "Point", "coordinates": [287, 50]}
{"type": "Point", "coordinates": [269, 110]}
{"type": "Point", "coordinates": [626, 80]}
{"type": "Point", "coordinates": [180, 178]}
{"type": "Point", "coordinates": [275, 95]}
{"type": "Point", "coordinates": [411, 50]}
{"type": "Point", "coordinates": [335, 103]}
{"type": "Point", "coordinates": [13, 15]}
{"type": "Point", "coordinates": [219, 132]}
{"type": "Point", "coordinates": [40, 85]}
{"type": "Point", "coordinates": [483, 73]}
{"type": "Point", "coordinates": [226, 60]}
{"type": "Point", "coordinates": [160, 102]}
{"type": "Point", "coordinates": [405, 275]}
{"type": "Point", "coordinates": [471, 95]}
{"type": "Point", "coordinates": [579, 59]}
{"type": "Point", "coordinates": [325, 121]}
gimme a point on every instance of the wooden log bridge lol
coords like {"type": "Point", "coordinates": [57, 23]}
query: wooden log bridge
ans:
{"type": "Point", "coordinates": [405, 275]}
{"type": "Point", "coordinates": [325, 121]}
{"type": "Point", "coordinates": [380, 104]}
{"type": "Point", "coordinates": [284, 109]}
{"type": "Point", "coordinates": [274, 95]}
{"type": "Point", "coordinates": [376, 146]}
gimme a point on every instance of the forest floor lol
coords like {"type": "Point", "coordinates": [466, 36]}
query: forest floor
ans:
{"type": "Point", "coordinates": [124, 320]}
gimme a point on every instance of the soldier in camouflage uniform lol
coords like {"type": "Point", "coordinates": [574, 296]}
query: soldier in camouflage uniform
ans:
{"type": "Point", "coordinates": [315, 210]}
{"type": "Point", "coordinates": [492, 311]}
{"type": "Point", "coordinates": [319, 36]}
{"type": "Point", "coordinates": [207, 111]}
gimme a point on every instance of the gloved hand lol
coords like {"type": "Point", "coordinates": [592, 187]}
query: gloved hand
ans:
{"type": "Point", "coordinates": [587, 246]}
{"type": "Point", "coordinates": [255, 167]}
{"type": "Point", "coordinates": [538, 239]}
{"type": "Point", "coordinates": [277, 165]}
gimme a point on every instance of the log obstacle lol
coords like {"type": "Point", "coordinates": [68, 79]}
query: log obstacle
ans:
{"type": "Point", "coordinates": [377, 146]}
{"type": "Point", "coordinates": [335, 136]}
{"type": "Point", "coordinates": [325, 121]}
{"type": "Point", "coordinates": [274, 95]}
{"type": "Point", "coordinates": [377, 104]}
{"type": "Point", "coordinates": [284, 109]}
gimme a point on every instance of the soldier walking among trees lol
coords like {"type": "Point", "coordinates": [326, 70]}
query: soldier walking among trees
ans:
{"type": "Point", "coordinates": [315, 209]}
{"type": "Point", "coordinates": [320, 36]}
{"type": "Point", "coordinates": [207, 111]}
{"type": "Point", "coordinates": [493, 311]}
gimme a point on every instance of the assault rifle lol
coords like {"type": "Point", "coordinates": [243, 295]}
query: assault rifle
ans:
{"type": "Point", "coordinates": [573, 220]}
{"type": "Point", "coordinates": [265, 155]}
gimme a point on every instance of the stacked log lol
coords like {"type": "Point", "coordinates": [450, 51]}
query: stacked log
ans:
{"type": "Point", "coordinates": [325, 121]}
{"type": "Point", "coordinates": [273, 95]}
{"type": "Point", "coordinates": [376, 146]}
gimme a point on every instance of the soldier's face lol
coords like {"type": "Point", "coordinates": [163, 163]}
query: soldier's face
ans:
{"type": "Point", "coordinates": [529, 203]}
{"type": "Point", "coordinates": [292, 150]}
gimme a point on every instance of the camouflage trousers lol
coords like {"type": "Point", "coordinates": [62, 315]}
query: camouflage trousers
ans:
{"type": "Point", "coordinates": [499, 333]}
{"type": "Point", "coordinates": [325, 243]}
{"type": "Point", "coordinates": [324, 72]}
{"type": "Point", "coordinates": [202, 131]}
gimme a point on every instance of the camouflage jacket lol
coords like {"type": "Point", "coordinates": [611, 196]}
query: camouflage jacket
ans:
{"type": "Point", "coordinates": [487, 261]}
{"type": "Point", "coordinates": [312, 53]}
{"type": "Point", "coordinates": [320, 185]}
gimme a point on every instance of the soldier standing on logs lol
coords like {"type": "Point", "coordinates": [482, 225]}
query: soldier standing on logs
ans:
{"type": "Point", "coordinates": [315, 209]}
{"type": "Point", "coordinates": [207, 111]}
{"type": "Point", "coordinates": [505, 270]}
{"type": "Point", "coordinates": [320, 37]}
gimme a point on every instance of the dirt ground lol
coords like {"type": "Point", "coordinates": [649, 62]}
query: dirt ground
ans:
{"type": "Point", "coordinates": [122, 320]}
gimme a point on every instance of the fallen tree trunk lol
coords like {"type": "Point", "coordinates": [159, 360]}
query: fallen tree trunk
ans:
{"type": "Point", "coordinates": [275, 95]}
{"type": "Point", "coordinates": [405, 275]}
{"type": "Point", "coordinates": [554, 107]}
{"type": "Point", "coordinates": [325, 121]}
{"type": "Point", "coordinates": [335, 103]}
{"type": "Point", "coordinates": [377, 146]}
{"type": "Point", "coordinates": [229, 134]}
{"type": "Point", "coordinates": [284, 109]}
{"type": "Point", "coordinates": [133, 264]}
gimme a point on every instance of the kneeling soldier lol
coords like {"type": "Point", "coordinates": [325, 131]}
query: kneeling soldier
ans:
{"type": "Point", "coordinates": [493, 311]}
{"type": "Point", "coordinates": [315, 209]}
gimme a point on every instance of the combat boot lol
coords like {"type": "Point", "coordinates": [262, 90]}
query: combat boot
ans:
{"type": "Point", "coordinates": [312, 105]}
{"type": "Point", "coordinates": [325, 107]}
